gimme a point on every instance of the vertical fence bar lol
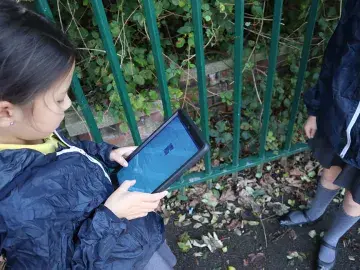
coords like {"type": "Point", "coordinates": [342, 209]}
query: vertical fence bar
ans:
{"type": "Point", "coordinates": [42, 6]}
{"type": "Point", "coordinates": [200, 68]}
{"type": "Point", "coordinates": [103, 24]}
{"type": "Point", "coordinates": [302, 69]}
{"type": "Point", "coordinates": [275, 33]}
{"type": "Point", "coordinates": [150, 16]}
{"type": "Point", "coordinates": [239, 35]}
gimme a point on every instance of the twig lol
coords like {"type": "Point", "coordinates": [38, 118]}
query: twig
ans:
{"type": "Point", "coordinates": [255, 85]}
{"type": "Point", "coordinates": [77, 27]}
{"type": "Point", "coordinates": [95, 50]}
{"type": "Point", "coordinates": [60, 19]}
{"type": "Point", "coordinates": [263, 226]}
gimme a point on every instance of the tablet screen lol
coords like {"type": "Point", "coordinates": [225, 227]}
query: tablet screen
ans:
{"type": "Point", "coordinates": [171, 148]}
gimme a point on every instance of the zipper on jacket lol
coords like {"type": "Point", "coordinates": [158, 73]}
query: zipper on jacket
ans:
{"type": "Point", "coordinates": [75, 149]}
{"type": "Point", "coordinates": [348, 131]}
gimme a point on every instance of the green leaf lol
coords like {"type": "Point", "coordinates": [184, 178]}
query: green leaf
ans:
{"type": "Point", "coordinates": [100, 61]}
{"type": "Point", "coordinates": [185, 29]}
{"type": "Point", "coordinates": [95, 34]}
{"type": "Point", "coordinates": [138, 79]}
{"type": "Point", "coordinates": [147, 74]}
{"type": "Point", "coordinates": [245, 135]}
{"type": "Point", "coordinates": [180, 42]}
{"type": "Point", "coordinates": [227, 137]}
{"type": "Point", "coordinates": [109, 87]}
{"type": "Point", "coordinates": [257, 10]}
{"type": "Point", "coordinates": [153, 95]}
{"type": "Point", "coordinates": [205, 7]}
{"type": "Point", "coordinates": [182, 197]}
{"type": "Point", "coordinates": [182, 3]}
{"type": "Point", "coordinates": [128, 69]}
{"type": "Point", "coordinates": [140, 60]}
{"type": "Point", "coordinates": [139, 17]}
{"type": "Point", "coordinates": [221, 126]}
{"type": "Point", "coordinates": [124, 128]}
{"type": "Point", "coordinates": [207, 18]}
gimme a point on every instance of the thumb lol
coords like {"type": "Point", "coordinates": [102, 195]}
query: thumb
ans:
{"type": "Point", "coordinates": [126, 185]}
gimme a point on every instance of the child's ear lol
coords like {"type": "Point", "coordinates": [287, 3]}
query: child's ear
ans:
{"type": "Point", "coordinates": [7, 111]}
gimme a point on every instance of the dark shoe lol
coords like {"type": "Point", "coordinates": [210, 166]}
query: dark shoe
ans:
{"type": "Point", "coordinates": [285, 221]}
{"type": "Point", "coordinates": [324, 265]}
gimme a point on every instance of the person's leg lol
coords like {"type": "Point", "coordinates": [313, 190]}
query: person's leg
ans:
{"type": "Point", "coordinates": [325, 193]}
{"type": "Point", "coordinates": [162, 259]}
{"type": "Point", "coordinates": [344, 219]}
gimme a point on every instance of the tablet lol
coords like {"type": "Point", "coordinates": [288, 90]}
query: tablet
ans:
{"type": "Point", "coordinates": [162, 158]}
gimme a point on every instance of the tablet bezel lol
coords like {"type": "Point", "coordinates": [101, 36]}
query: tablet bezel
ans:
{"type": "Point", "coordinates": [197, 138]}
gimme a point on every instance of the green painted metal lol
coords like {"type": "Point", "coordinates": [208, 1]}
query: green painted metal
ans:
{"type": "Point", "coordinates": [275, 33]}
{"type": "Point", "coordinates": [103, 24]}
{"type": "Point", "coordinates": [150, 16]}
{"type": "Point", "coordinates": [239, 34]}
{"type": "Point", "coordinates": [42, 6]}
{"type": "Point", "coordinates": [302, 69]}
{"type": "Point", "coordinates": [249, 162]}
{"type": "Point", "coordinates": [200, 68]}
{"type": "Point", "coordinates": [85, 108]}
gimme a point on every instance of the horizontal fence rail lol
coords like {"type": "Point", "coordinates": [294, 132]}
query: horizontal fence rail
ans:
{"type": "Point", "coordinates": [238, 163]}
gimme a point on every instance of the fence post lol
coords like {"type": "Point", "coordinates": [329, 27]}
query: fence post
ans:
{"type": "Point", "coordinates": [238, 84]}
{"type": "Point", "coordinates": [302, 69]}
{"type": "Point", "coordinates": [200, 68]}
{"type": "Point", "coordinates": [275, 33]}
{"type": "Point", "coordinates": [100, 17]}
{"type": "Point", "coordinates": [150, 16]}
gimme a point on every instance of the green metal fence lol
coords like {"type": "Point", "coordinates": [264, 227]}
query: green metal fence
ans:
{"type": "Point", "coordinates": [238, 164]}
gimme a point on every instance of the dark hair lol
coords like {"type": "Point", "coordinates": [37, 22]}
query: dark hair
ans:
{"type": "Point", "coordinates": [33, 53]}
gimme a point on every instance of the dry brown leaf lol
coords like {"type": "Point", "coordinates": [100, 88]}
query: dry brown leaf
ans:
{"type": "Point", "coordinates": [228, 195]}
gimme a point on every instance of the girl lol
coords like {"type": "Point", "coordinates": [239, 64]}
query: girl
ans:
{"type": "Point", "coordinates": [58, 209]}
{"type": "Point", "coordinates": [334, 129]}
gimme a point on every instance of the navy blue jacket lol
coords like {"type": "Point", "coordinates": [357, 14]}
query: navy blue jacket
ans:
{"type": "Point", "coordinates": [335, 100]}
{"type": "Point", "coordinates": [52, 217]}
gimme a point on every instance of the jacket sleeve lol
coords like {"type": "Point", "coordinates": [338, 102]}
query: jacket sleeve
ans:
{"type": "Point", "coordinates": [332, 58]}
{"type": "Point", "coordinates": [97, 238]}
{"type": "Point", "coordinates": [107, 242]}
{"type": "Point", "coordinates": [101, 151]}
{"type": "Point", "coordinates": [312, 97]}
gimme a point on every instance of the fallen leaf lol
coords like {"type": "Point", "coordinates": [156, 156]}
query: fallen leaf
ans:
{"type": "Point", "coordinates": [209, 199]}
{"type": "Point", "coordinates": [296, 172]}
{"type": "Point", "coordinates": [292, 235]}
{"type": "Point", "coordinates": [257, 258]}
{"type": "Point", "coordinates": [278, 208]}
{"type": "Point", "coordinates": [198, 254]}
{"type": "Point", "coordinates": [233, 224]}
{"type": "Point", "coordinates": [225, 249]}
{"type": "Point", "coordinates": [199, 244]}
{"type": "Point", "coordinates": [228, 195]}
{"type": "Point", "coordinates": [231, 268]}
{"type": "Point", "coordinates": [214, 219]}
{"type": "Point", "coordinates": [212, 241]}
{"type": "Point", "coordinates": [237, 210]}
{"type": "Point", "coordinates": [312, 233]}
{"type": "Point", "coordinates": [237, 232]}
{"type": "Point", "coordinates": [253, 223]}
{"type": "Point", "coordinates": [351, 258]}
{"type": "Point", "coordinates": [181, 218]}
